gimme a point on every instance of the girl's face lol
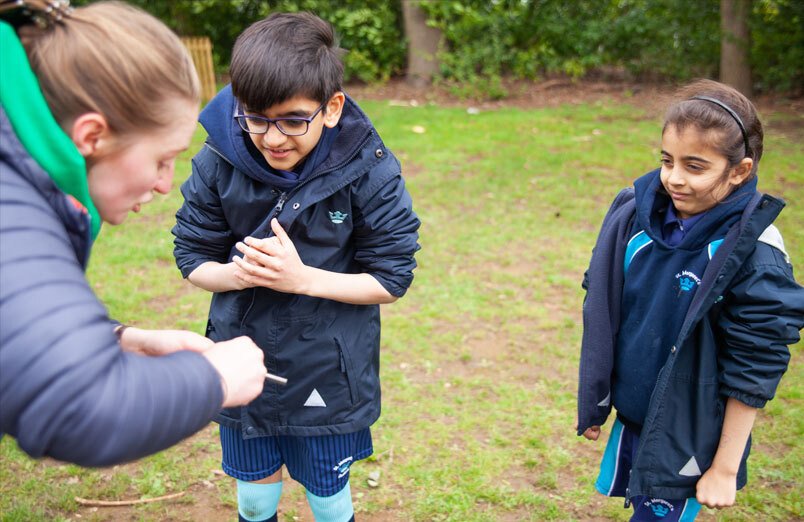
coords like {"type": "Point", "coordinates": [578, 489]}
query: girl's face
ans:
{"type": "Point", "coordinates": [124, 173]}
{"type": "Point", "coordinates": [695, 175]}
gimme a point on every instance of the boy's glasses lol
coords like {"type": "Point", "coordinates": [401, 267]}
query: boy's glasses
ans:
{"type": "Point", "coordinates": [292, 126]}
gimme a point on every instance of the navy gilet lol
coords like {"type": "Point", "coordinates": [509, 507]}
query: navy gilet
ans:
{"type": "Point", "coordinates": [660, 282]}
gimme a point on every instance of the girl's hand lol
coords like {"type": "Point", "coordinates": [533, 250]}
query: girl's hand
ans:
{"type": "Point", "coordinates": [272, 262]}
{"type": "Point", "coordinates": [592, 433]}
{"type": "Point", "coordinates": [716, 488]}
{"type": "Point", "coordinates": [162, 342]}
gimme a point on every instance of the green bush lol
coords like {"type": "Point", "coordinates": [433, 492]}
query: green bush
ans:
{"type": "Point", "coordinates": [488, 40]}
{"type": "Point", "coordinates": [658, 40]}
{"type": "Point", "coordinates": [777, 50]}
{"type": "Point", "coordinates": [370, 30]}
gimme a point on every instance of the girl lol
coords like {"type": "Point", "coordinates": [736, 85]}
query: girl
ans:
{"type": "Point", "coordinates": [95, 104]}
{"type": "Point", "coordinates": [690, 307]}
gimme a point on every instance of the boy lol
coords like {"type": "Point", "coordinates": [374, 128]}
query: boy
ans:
{"type": "Point", "coordinates": [297, 218]}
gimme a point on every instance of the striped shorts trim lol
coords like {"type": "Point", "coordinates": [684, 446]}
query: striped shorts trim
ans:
{"type": "Point", "coordinates": [320, 463]}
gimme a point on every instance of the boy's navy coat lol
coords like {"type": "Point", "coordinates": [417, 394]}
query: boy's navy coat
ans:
{"type": "Point", "coordinates": [351, 215]}
{"type": "Point", "coordinates": [733, 343]}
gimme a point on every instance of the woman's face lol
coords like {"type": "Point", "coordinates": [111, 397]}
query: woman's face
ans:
{"type": "Point", "coordinates": [139, 165]}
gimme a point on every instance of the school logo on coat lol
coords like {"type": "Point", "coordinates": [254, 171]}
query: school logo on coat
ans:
{"type": "Point", "coordinates": [687, 281]}
{"type": "Point", "coordinates": [337, 216]}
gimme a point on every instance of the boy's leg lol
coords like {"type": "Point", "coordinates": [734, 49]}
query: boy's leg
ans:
{"type": "Point", "coordinates": [321, 464]}
{"type": "Point", "coordinates": [258, 501]}
{"type": "Point", "coordinates": [334, 508]}
{"type": "Point", "coordinates": [256, 464]}
{"type": "Point", "coordinates": [647, 509]}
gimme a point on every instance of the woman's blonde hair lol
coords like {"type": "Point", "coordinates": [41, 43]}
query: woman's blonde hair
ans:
{"type": "Point", "coordinates": [113, 59]}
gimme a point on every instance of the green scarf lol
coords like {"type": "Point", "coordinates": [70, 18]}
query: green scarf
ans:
{"type": "Point", "coordinates": [36, 128]}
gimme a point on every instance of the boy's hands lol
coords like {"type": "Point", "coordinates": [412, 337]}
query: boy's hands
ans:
{"type": "Point", "coordinates": [274, 263]}
{"type": "Point", "coordinates": [716, 488]}
{"type": "Point", "coordinates": [271, 262]}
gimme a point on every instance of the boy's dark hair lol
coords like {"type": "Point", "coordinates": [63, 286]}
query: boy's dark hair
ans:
{"type": "Point", "coordinates": [706, 116]}
{"type": "Point", "coordinates": [284, 56]}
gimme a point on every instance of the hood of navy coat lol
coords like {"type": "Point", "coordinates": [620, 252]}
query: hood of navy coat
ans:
{"type": "Point", "coordinates": [652, 202]}
{"type": "Point", "coordinates": [228, 139]}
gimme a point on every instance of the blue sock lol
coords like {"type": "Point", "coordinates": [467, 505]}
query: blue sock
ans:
{"type": "Point", "coordinates": [258, 502]}
{"type": "Point", "coordinates": [335, 508]}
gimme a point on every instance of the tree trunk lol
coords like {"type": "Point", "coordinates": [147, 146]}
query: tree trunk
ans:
{"type": "Point", "coordinates": [735, 69]}
{"type": "Point", "coordinates": [423, 44]}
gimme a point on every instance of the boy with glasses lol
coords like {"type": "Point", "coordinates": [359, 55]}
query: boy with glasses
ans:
{"type": "Point", "coordinates": [296, 216]}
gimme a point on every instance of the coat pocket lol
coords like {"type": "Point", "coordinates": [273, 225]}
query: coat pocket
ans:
{"type": "Point", "coordinates": [348, 371]}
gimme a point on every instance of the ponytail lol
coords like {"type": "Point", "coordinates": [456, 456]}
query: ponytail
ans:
{"type": "Point", "coordinates": [109, 58]}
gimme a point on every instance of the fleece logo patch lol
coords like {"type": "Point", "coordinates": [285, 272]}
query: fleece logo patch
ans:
{"type": "Point", "coordinates": [687, 281]}
{"type": "Point", "coordinates": [337, 216]}
{"type": "Point", "coordinates": [343, 466]}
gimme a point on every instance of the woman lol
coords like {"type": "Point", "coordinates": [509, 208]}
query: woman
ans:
{"type": "Point", "coordinates": [95, 105]}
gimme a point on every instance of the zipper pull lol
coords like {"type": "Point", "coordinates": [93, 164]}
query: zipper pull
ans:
{"type": "Point", "coordinates": [281, 202]}
{"type": "Point", "coordinates": [627, 502]}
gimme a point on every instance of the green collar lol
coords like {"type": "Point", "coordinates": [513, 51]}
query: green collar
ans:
{"type": "Point", "coordinates": [36, 128]}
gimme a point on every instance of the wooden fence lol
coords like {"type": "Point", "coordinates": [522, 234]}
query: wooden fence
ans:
{"type": "Point", "coordinates": [200, 49]}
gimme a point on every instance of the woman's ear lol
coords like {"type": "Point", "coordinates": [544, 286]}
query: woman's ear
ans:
{"type": "Point", "coordinates": [334, 109]}
{"type": "Point", "coordinates": [740, 173]}
{"type": "Point", "coordinates": [88, 131]}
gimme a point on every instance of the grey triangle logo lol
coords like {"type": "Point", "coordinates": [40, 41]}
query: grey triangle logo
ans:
{"type": "Point", "coordinates": [315, 400]}
{"type": "Point", "coordinates": [606, 401]}
{"type": "Point", "coordinates": [691, 468]}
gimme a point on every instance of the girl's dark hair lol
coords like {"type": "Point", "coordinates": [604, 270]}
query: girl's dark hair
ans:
{"type": "Point", "coordinates": [709, 117]}
{"type": "Point", "coordinates": [284, 56]}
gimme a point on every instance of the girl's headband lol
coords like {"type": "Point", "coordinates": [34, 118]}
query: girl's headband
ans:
{"type": "Point", "coordinates": [731, 113]}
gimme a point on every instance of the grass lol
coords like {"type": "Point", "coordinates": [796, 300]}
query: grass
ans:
{"type": "Point", "coordinates": [478, 360]}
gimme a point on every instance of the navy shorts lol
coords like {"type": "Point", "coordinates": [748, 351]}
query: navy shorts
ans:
{"type": "Point", "coordinates": [615, 470]}
{"type": "Point", "coordinates": [321, 463]}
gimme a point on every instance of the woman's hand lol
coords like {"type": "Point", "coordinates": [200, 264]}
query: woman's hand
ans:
{"type": "Point", "coordinates": [716, 488]}
{"type": "Point", "coordinates": [162, 342]}
{"type": "Point", "coordinates": [240, 364]}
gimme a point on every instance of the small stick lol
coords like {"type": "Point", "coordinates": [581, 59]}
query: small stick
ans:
{"type": "Point", "coordinates": [276, 378]}
{"type": "Point", "coordinates": [109, 503]}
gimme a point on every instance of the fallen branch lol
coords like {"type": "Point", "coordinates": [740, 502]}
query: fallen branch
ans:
{"type": "Point", "coordinates": [110, 503]}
